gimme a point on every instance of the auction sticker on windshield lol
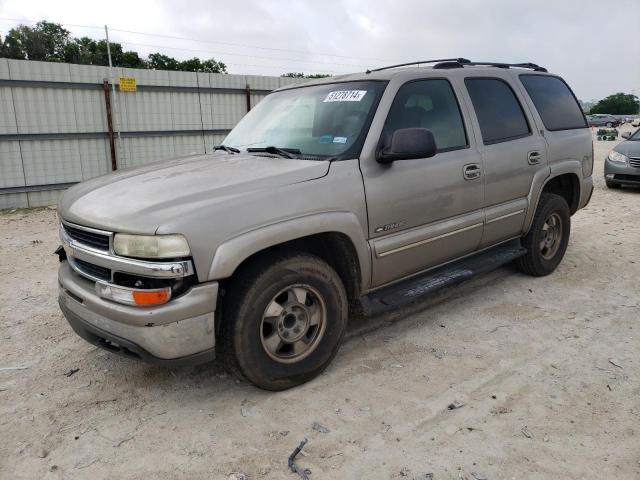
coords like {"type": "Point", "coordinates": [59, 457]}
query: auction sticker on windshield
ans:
{"type": "Point", "coordinates": [345, 96]}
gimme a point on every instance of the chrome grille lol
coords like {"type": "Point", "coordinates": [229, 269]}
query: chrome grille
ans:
{"type": "Point", "coordinates": [95, 272]}
{"type": "Point", "coordinates": [90, 238]}
{"type": "Point", "coordinates": [634, 162]}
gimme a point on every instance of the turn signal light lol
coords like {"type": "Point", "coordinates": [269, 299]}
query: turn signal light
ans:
{"type": "Point", "coordinates": [130, 296]}
{"type": "Point", "coordinates": [153, 297]}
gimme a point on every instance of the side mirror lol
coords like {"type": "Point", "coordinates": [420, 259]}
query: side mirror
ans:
{"type": "Point", "coordinates": [626, 134]}
{"type": "Point", "coordinates": [407, 144]}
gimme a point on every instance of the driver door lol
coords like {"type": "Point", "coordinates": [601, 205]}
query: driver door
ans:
{"type": "Point", "coordinates": [426, 211]}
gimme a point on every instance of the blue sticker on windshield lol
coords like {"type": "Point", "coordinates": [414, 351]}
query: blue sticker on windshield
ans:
{"type": "Point", "coordinates": [326, 139]}
{"type": "Point", "coordinates": [339, 139]}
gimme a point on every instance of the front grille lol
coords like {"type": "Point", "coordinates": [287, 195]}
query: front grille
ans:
{"type": "Point", "coordinates": [634, 162]}
{"type": "Point", "coordinates": [92, 270]}
{"type": "Point", "coordinates": [92, 239]}
{"type": "Point", "coordinates": [628, 178]}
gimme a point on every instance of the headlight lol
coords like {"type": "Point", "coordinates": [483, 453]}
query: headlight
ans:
{"type": "Point", "coordinates": [617, 157]}
{"type": "Point", "coordinates": [151, 246]}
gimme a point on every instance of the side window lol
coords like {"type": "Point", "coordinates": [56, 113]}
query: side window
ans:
{"type": "Point", "coordinates": [498, 110]}
{"type": "Point", "coordinates": [429, 104]}
{"type": "Point", "coordinates": [554, 101]}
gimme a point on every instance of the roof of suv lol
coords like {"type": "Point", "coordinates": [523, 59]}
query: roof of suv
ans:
{"type": "Point", "coordinates": [443, 67]}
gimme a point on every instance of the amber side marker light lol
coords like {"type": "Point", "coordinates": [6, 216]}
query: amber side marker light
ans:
{"type": "Point", "coordinates": [131, 296]}
{"type": "Point", "coordinates": [155, 297]}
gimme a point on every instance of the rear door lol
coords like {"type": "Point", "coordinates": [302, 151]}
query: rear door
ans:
{"type": "Point", "coordinates": [513, 153]}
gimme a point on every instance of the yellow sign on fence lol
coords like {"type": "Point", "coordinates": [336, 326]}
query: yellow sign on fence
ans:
{"type": "Point", "coordinates": [127, 84]}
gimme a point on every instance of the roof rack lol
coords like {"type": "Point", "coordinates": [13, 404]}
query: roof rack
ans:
{"type": "Point", "coordinates": [460, 62]}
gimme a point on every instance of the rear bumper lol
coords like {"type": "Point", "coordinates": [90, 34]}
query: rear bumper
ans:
{"type": "Point", "coordinates": [181, 331]}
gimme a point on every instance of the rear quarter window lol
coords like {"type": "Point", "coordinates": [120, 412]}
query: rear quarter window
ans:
{"type": "Point", "coordinates": [554, 101]}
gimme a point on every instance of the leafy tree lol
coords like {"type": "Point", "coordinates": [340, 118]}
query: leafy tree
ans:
{"type": "Point", "coordinates": [302, 75]}
{"type": "Point", "coordinates": [52, 43]}
{"type": "Point", "coordinates": [617, 104]}
{"type": "Point", "coordinates": [101, 56]}
{"type": "Point", "coordinates": [212, 66]}
{"type": "Point", "coordinates": [132, 60]}
{"type": "Point", "coordinates": [158, 61]}
{"type": "Point", "coordinates": [45, 42]}
{"type": "Point", "coordinates": [81, 50]}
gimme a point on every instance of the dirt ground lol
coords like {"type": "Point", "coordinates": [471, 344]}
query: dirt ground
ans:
{"type": "Point", "coordinates": [547, 370]}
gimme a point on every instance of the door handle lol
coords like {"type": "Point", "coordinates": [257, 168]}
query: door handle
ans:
{"type": "Point", "coordinates": [471, 171]}
{"type": "Point", "coordinates": [534, 157]}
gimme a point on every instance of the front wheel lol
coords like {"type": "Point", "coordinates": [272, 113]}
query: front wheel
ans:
{"type": "Point", "coordinates": [283, 320]}
{"type": "Point", "coordinates": [548, 237]}
{"type": "Point", "coordinates": [612, 185]}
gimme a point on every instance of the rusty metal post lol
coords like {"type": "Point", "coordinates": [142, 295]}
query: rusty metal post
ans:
{"type": "Point", "coordinates": [112, 145]}
{"type": "Point", "coordinates": [247, 92]}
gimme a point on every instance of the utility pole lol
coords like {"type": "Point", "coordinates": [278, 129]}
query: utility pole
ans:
{"type": "Point", "coordinates": [113, 87]}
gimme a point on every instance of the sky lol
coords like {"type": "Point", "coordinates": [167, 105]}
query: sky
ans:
{"type": "Point", "coordinates": [593, 44]}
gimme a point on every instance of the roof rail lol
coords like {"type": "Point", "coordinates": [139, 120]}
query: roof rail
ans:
{"type": "Point", "coordinates": [458, 60]}
{"type": "Point", "coordinates": [462, 62]}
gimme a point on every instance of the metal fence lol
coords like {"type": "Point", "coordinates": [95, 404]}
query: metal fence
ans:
{"type": "Point", "coordinates": [54, 121]}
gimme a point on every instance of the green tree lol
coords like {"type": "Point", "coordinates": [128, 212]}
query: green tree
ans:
{"type": "Point", "coordinates": [617, 104]}
{"type": "Point", "coordinates": [158, 61]}
{"type": "Point", "coordinates": [302, 75]}
{"type": "Point", "coordinates": [132, 60]}
{"type": "Point", "coordinates": [52, 43]}
{"type": "Point", "coordinates": [44, 42]}
{"type": "Point", "coordinates": [81, 50]}
{"type": "Point", "coordinates": [101, 56]}
{"type": "Point", "coordinates": [213, 66]}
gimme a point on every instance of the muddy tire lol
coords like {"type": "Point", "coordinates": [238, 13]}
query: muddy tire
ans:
{"type": "Point", "coordinates": [284, 318]}
{"type": "Point", "coordinates": [547, 240]}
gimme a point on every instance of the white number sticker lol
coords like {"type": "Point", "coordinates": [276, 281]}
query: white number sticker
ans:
{"type": "Point", "coordinates": [345, 96]}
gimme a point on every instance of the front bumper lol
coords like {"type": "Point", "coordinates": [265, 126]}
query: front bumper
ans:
{"type": "Point", "coordinates": [181, 331]}
{"type": "Point", "coordinates": [624, 174]}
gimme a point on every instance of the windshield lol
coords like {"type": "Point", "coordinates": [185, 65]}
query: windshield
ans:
{"type": "Point", "coordinates": [635, 136]}
{"type": "Point", "coordinates": [322, 120]}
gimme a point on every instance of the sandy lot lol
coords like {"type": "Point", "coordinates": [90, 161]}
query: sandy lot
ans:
{"type": "Point", "coordinates": [547, 369]}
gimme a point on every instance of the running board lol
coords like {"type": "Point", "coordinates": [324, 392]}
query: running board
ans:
{"type": "Point", "coordinates": [412, 289]}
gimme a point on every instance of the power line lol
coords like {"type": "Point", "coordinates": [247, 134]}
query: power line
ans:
{"type": "Point", "coordinates": [259, 47]}
{"type": "Point", "coordinates": [242, 55]}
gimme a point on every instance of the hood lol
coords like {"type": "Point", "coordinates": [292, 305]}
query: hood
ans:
{"type": "Point", "coordinates": [138, 200]}
{"type": "Point", "coordinates": [630, 148]}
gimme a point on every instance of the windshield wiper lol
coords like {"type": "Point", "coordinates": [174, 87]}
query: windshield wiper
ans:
{"type": "Point", "coordinates": [226, 149]}
{"type": "Point", "coordinates": [283, 152]}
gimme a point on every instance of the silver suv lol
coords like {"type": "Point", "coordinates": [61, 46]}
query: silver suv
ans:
{"type": "Point", "coordinates": [343, 196]}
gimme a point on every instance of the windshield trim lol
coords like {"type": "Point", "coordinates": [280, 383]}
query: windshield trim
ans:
{"type": "Point", "coordinates": [356, 149]}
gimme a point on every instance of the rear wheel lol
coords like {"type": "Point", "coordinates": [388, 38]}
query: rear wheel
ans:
{"type": "Point", "coordinates": [548, 237]}
{"type": "Point", "coordinates": [283, 321]}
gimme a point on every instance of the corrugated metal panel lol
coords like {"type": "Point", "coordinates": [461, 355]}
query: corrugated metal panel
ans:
{"type": "Point", "coordinates": [51, 161]}
{"type": "Point", "coordinates": [69, 109]}
{"type": "Point", "coordinates": [44, 110]}
{"type": "Point", "coordinates": [44, 198]}
{"type": "Point", "coordinates": [13, 200]}
{"type": "Point", "coordinates": [11, 173]}
{"type": "Point", "coordinates": [227, 109]}
{"type": "Point", "coordinates": [258, 82]}
{"type": "Point", "coordinates": [7, 113]}
{"type": "Point", "coordinates": [188, 145]}
{"type": "Point", "coordinates": [30, 70]}
{"type": "Point", "coordinates": [185, 111]}
{"type": "Point", "coordinates": [94, 155]}
{"type": "Point", "coordinates": [90, 110]}
{"type": "Point", "coordinates": [4, 69]}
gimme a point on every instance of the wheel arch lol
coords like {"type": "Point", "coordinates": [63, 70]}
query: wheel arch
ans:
{"type": "Point", "coordinates": [337, 238]}
{"type": "Point", "coordinates": [564, 180]}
